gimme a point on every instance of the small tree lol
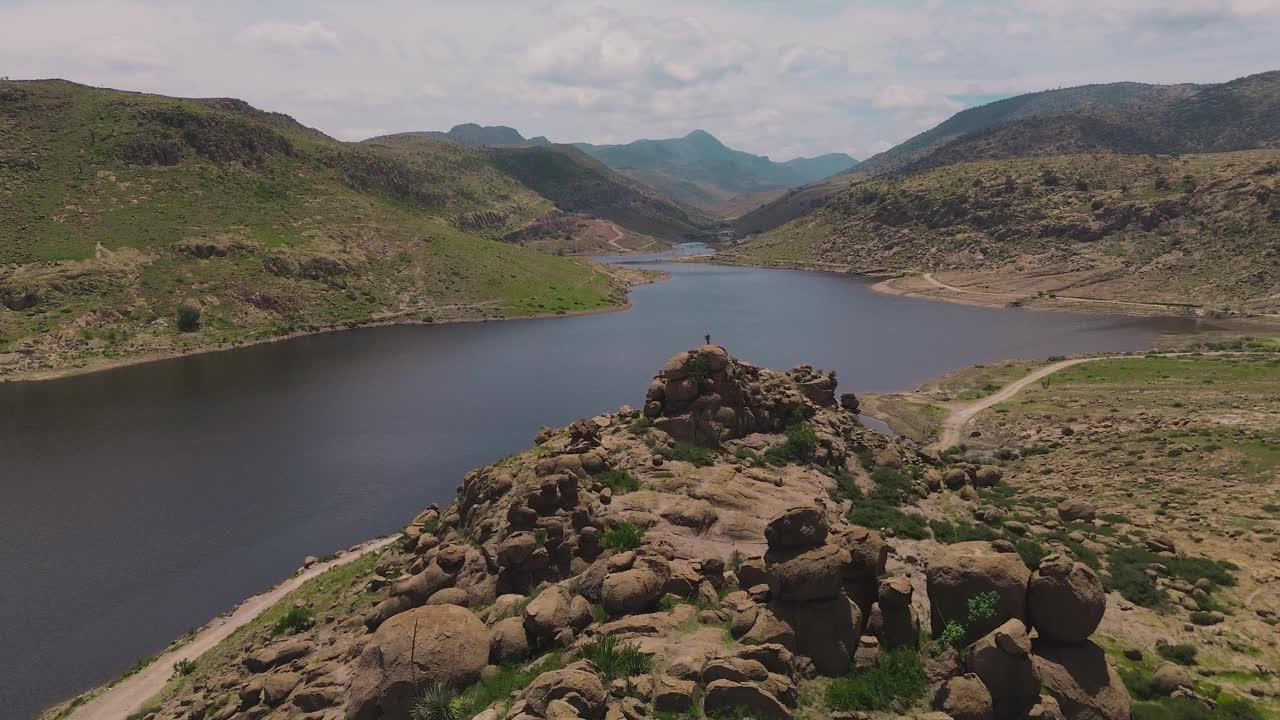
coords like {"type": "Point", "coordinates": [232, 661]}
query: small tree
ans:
{"type": "Point", "coordinates": [188, 318]}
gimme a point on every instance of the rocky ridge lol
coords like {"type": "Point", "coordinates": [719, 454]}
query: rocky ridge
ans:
{"type": "Point", "coordinates": [692, 557]}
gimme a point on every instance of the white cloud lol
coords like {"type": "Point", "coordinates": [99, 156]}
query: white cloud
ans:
{"type": "Point", "coordinates": [773, 78]}
{"type": "Point", "coordinates": [291, 37]}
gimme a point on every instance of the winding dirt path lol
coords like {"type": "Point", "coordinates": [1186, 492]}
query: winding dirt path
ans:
{"type": "Point", "coordinates": [928, 277]}
{"type": "Point", "coordinates": [954, 423]}
{"type": "Point", "coordinates": [128, 696]}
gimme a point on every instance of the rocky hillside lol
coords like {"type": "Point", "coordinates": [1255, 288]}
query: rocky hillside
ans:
{"type": "Point", "coordinates": [702, 171]}
{"type": "Point", "coordinates": [738, 547]}
{"type": "Point", "coordinates": [136, 224]}
{"type": "Point", "coordinates": [1129, 118]}
{"type": "Point", "coordinates": [1200, 230]}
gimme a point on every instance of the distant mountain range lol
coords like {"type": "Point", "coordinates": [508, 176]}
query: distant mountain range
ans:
{"type": "Point", "coordinates": [700, 170]}
{"type": "Point", "coordinates": [1112, 118]}
{"type": "Point", "coordinates": [696, 169]}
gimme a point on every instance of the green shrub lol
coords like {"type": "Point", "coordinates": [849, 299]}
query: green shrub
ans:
{"type": "Point", "coordinates": [898, 677]}
{"type": "Point", "coordinates": [619, 481]}
{"type": "Point", "coordinates": [801, 441]}
{"type": "Point", "coordinates": [1182, 654]}
{"type": "Point", "coordinates": [188, 318]}
{"type": "Point", "coordinates": [878, 509]}
{"type": "Point", "coordinates": [1128, 574]}
{"type": "Point", "coordinates": [437, 702]}
{"type": "Point", "coordinates": [640, 425]}
{"type": "Point", "coordinates": [294, 621]}
{"type": "Point", "coordinates": [688, 452]}
{"type": "Point", "coordinates": [950, 533]}
{"type": "Point", "coordinates": [502, 685]}
{"type": "Point", "coordinates": [1200, 617]}
{"type": "Point", "coordinates": [623, 537]}
{"type": "Point", "coordinates": [616, 659]}
{"type": "Point", "coordinates": [697, 367]}
{"type": "Point", "coordinates": [1031, 551]}
{"type": "Point", "coordinates": [184, 667]}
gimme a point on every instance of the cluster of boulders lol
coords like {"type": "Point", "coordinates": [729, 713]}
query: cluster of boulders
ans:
{"type": "Point", "coordinates": [1002, 671]}
{"type": "Point", "coordinates": [704, 396]}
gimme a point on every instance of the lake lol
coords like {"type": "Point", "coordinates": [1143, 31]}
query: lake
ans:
{"type": "Point", "coordinates": [138, 503]}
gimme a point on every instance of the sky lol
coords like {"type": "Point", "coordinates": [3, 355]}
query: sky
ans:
{"type": "Point", "coordinates": [775, 77]}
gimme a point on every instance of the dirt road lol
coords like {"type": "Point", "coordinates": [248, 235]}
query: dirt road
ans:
{"type": "Point", "coordinates": [128, 696]}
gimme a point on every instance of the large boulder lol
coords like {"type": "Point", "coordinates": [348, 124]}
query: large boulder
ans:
{"type": "Point", "coordinates": [577, 684]}
{"type": "Point", "coordinates": [1065, 600]}
{"type": "Point", "coordinates": [1002, 660]}
{"type": "Point", "coordinates": [631, 591]}
{"type": "Point", "coordinates": [868, 554]}
{"type": "Point", "coordinates": [798, 527]}
{"type": "Point", "coordinates": [1169, 678]}
{"type": "Point", "coordinates": [1085, 685]}
{"type": "Point", "coordinates": [277, 654]}
{"type": "Point", "coordinates": [730, 696]}
{"type": "Point", "coordinates": [549, 613]}
{"type": "Point", "coordinates": [1076, 510]}
{"type": "Point", "coordinates": [960, 572]}
{"type": "Point", "coordinates": [826, 631]}
{"type": "Point", "coordinates": [964, 697]}
{"type": "Point", "coordinates": [816, 574]}
{"type": "Point", "coordinates": [893, 619]}
{"type": "Point", "coordinates": [508, 641]}
{"type": "Point", "coordinates": [432, 644]}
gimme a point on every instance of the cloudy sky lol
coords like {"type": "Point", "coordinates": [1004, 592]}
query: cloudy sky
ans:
{"type": "Point", "coordinates": [776, 77]}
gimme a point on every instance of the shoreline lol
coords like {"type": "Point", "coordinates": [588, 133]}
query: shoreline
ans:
{"type": "Point", "coordinates": [105, 364]}
{"type": "Point", "coordinates": [886, 285]}
{"type": "Point", "coordinates": [119, 700]}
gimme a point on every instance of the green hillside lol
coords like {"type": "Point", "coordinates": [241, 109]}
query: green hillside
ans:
{"type": "Point", "coordinates": [118, 208]}
{"type": "Point", "coordinates": [1199, 229]}
{"type": "Point", "coordinates": [1117, 117]}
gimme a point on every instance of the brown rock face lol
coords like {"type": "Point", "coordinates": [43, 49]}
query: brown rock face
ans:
{"type": "Point", "coordinates": [1083, 682]}
{"type": "Point", "coordinates": [726, 695]}
{"type": "Point", "coordinates": [797, 576]}
{"type": "Point", "coordinates": [1002, 660]}
{"type": "Point", "coordinates": [798, 527]}
{"type": "Point", "coordinates": [964, 697]}
{"type": "Point", "coordinates": [576, 684]}
{"type": "Point", "coordinates": [431, 644]}
{"type": "Point", "coordinates": [965, 570]}
{"type": "Point", "coordinates": [1066, 600]}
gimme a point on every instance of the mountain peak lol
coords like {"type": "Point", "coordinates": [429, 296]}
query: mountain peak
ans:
{"type": "Point", "coordinates": [704, 138]}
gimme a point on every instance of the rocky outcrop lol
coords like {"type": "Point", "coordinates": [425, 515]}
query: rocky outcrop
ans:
{"type": "Point", "coordinates": [604, 536]}
{"type": "Point", "coordinates": [1079, 677]}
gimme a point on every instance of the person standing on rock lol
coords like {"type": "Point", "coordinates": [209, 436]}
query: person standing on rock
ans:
{"type": "Point", "coordinates": [708, 339]}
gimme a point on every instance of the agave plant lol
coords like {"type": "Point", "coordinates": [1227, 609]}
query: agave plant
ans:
{"type": "Point", "coordinates": [437, 702]}
{"type": "Point", "coordinates": [616, 659]}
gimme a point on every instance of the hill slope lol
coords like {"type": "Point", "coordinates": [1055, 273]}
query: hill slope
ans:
{"type": "Point", "coordinates": [1117, 117]}
{"type": "Point", "coordinates": [481, 136]}
{"type": "Point", "coordinates": [702, 171]}
{"type": "Point", "coordinates": [1196, 229]}
{"type": "Point", "coordinates": [118, 208]}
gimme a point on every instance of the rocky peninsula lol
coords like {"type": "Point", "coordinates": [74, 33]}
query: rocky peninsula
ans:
{"type": "Point", "coordinates": [739, 546]}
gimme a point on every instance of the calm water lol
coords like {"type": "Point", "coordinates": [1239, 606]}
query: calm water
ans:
{"type": "Point", "coordinates": [137, 503]}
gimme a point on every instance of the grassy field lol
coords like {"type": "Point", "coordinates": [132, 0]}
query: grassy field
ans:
{"type": "Point", "coordinates": [119, 208]}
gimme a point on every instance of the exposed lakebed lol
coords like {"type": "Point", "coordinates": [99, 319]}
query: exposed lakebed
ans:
{"type": "Point", "coordinates": [139, 502]}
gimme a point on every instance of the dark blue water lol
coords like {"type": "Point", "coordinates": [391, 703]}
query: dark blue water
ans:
{"type": "Point", "coordinates": [138, 503]}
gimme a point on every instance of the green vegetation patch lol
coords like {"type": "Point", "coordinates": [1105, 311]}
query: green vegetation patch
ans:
{"type": "Point", "coordinates": [623, 537]}
{"type": "Point", "coordinates": [619, 481]}
{"type": "Point", "coordinates": [899, 676]}
{"type": "Point", "coordinates": [879, 509]}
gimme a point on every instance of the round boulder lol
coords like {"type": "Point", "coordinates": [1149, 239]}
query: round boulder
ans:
{"type": "Point", "coordinates": [797, 527]}
{"type": "Point", "coordinates": [963, 571]}
{"type": "Point", "coordinates": [432, 644]}
{"type": "Point", "coordinates": [1168, 678]}
{"type": "Point", "coordinates": [1076, 510]}
{"type": "Point", "coordinates": [1066, 600]}
{"type": "Point", "coordinates": [1086, 686]}
{"type": "Point", "coordinates": [964, 698]}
